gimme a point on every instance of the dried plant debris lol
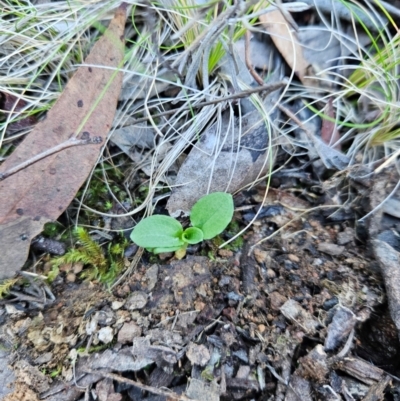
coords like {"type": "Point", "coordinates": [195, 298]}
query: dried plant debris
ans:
{"type": "Point", "coordinates": [291, 106]}
{"type": "Point", "coordinates": [40, 191]}
{"type": "Point", "coordinates": [190, 318]}
{"type": "Point", "coordinates": [231, 154]}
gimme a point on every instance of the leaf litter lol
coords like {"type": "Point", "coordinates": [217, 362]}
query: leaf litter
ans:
{"type": "Point", "coordinates": [43, 190]}
{"type": "Point", "coordinates": [297, 312]}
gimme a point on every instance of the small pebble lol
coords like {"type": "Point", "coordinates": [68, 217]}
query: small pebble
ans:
{"type": "Point", "coordinates": [276, 300]}
{"type": "Point", "coordinates": [127, 332]}
{"type": "Point", "coordinates": [225, 253]}
{"type": "Point", "coordinates": [331, 249]}
{"type": "Point", "coordinates": [77, 267]}
{"type": "Point", "coordinates": [105, 334]}
{"type": "Point", "coordinates": [198, 354]}
{"type": "Point", "coordinates": [71, 277]}
{"type": "Point", "coordinates": [115, 305]}
{"type": "Point", "coordinates": [346, 236]}
{"type": "Point", "coordinates": [330, 303]}
{"type": "Point", "coordinates": [260, 255]}
{"type": "Point", "coordinates": [137, 300]}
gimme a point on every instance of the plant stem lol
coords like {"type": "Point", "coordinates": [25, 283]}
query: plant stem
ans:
{"type": "Point", "coordinates": [269, 88]}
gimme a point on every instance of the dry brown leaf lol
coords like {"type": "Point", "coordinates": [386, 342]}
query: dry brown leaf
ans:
{"type": "Point", "coordinates": [43, 190]}
{"type": "Point", "coordinates": [226, 159]}
{"type": "Point", "coordinates": [10, 104]}
{"type": "Point", "coordinates": [329, 133]}
{"type": "Point", "coordinates": [286, 41]}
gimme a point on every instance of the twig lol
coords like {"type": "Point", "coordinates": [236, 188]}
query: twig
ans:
{"type": "Point", "coordinates": [128, 271]}
{"type": "Point", "coordinates": [153, 390]}
{"type": "Point", "coordinates": [275, 374]}
{"type": "Point", "coordinates": [269, 88]}
{"type": "Point", "coordinates": [252, 71]}
{"type": "Point", "coordinates": [296, 120]}
{"type": "Point", "coordinates": [347, 346]}
{"type": "Point", "coordinates": [63, 145]}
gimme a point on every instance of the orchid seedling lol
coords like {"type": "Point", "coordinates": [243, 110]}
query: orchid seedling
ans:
{"type": "Point", "coordinates": [209, 216]}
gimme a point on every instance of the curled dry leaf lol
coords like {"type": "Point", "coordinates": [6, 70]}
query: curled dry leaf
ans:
{"type": "Point", "coordinates": [286, 41]}
{"type": "Point", "coordinates": [329, 133]}
{"type": "Point", "coordinates": [43, 190]}
{"type": "Point", "coordinates": [228, 156]}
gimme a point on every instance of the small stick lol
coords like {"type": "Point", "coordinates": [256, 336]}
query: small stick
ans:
{"type": "Point", "coordinates": [297, 121]}
{"type": "Point", "coordinates": [153, 390]}
{"type": "Point", "coordinates": [247, 59]}
{"type": "Point", "coordinates": [61, 146]}
{"type": "Point", "coordinates": [269, 88]}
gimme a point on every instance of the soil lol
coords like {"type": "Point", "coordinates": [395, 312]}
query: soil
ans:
{"type": "Point", "coordinates": [300, 316]}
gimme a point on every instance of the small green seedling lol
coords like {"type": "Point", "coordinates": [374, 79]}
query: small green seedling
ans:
{"type": "Point", "coordinates": [210, 215]}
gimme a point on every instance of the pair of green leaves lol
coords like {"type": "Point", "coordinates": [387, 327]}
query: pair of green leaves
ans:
{"type": "Point", "coordinates": [209, 217]}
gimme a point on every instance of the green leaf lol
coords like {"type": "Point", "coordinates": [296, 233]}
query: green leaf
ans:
{"type": "Point", "coordinates": [158, 231]}
{"type": "Point", "coordinates": [163, 250]}
{"type": "Point", "coordinates": [193, 235]}
{"type": "Point", "coordinates": [212, 213]}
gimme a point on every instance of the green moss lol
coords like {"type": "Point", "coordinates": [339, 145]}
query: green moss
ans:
{"type": "Point", "coordinates": [52, 229]}
{"type": "Point", "coordinates": [100, 265]}
{"type": "Point", "coordinates": [6, 285]}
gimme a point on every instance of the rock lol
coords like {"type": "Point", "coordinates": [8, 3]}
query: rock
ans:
{"type": "Point", "coordinates": [151, 276]}
{"type": "Point", "coordinates": [44, 358]}
{"type": "Point", "coordinates": [106, 317]}
{"type": "Point", "coordinates": [331, 249]}
{"type": "Point", "coordinates": [202, 391]}
{"type": "Point", "coordinates": [243, 372]}
{"type": "Point", "coordinates": [105, 334]}
{"type": "Point", "coordinates": [137, 300]}
{"type": "Point", "coordinates": [293, 311]}
{"type": "Point", "coordinates": [7, 376]}
{"type": "Point", "coordinates": [128, 332]}
{"type": "Point", "coordinates": [276, 300]}
{"type": "Point", "coordinates": [198, 354]}
{"type": "Point", "coordinates": [346, 236]}
{"type": "Point", "coordinates": [115, 305]}
{"type": "Point", "coordinates": [293, 258]}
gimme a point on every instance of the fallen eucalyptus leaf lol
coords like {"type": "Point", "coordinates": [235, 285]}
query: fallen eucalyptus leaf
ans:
{"type": "Point", "coordinates": [42, 191]}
